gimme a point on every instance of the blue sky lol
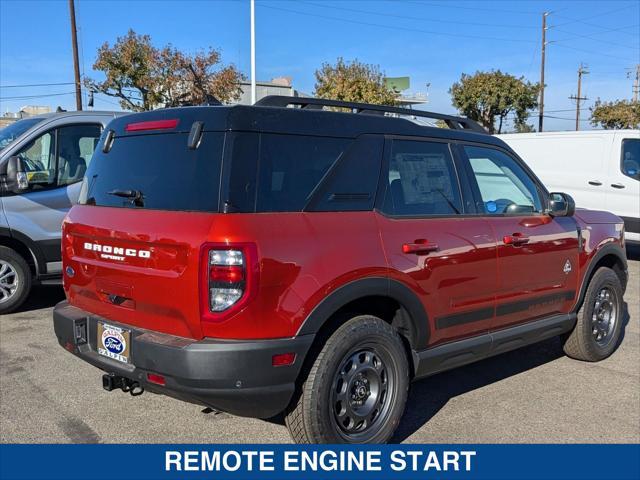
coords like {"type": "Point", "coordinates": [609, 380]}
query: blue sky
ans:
{"type": "Point", "coordinates": [430, 41]}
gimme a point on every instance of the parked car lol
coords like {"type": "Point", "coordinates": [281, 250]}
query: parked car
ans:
{"type": "Point", "coordinates": [264, 259]}
{"type": "Point", "coordinates": [600, 169]}
{"type": "Point", "coordinates": [42, 161]}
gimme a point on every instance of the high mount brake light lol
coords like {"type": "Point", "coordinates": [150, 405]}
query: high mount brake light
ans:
{"type": "Point", "coordinates": [151, 125]}
{"type": "Point", "coordinates": [228, 279]}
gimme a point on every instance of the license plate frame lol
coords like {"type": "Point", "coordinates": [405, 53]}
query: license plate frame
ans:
{"type": "Point", "coordinates": [113, 342]}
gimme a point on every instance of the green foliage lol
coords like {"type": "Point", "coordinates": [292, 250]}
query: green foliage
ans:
{"type": "Point", "coordinates": [617, 114]}
{"type": "Point", "coordinates": [487, 96]}
{"type": "Point", "coordinates": [353, 82]}
{"type": "Point", "coordinates": [144, 77]}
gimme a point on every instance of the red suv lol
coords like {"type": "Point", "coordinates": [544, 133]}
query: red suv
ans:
{"type": "Point", "coordinates": [314, 260]}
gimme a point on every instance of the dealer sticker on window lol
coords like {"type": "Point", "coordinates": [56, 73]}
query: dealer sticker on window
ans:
{"type": "Point", "coordinates": [113, 342]}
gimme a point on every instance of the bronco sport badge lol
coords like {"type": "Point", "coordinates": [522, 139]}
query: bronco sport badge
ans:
{"type": "Point", "coordinates": [567, 267]}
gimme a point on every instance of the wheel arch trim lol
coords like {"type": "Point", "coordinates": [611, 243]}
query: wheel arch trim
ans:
{"type": "Point", "coordinates": [606, 250]}
{"type": "Point", "coordinates": [367, 287]}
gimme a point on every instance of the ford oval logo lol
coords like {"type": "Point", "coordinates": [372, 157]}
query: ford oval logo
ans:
{"type": "Point", "coordinates": [113, 344]}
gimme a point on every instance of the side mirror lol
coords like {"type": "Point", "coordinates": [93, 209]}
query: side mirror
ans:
{"type": "Point", "coordinates": [17, 180]}
{"type": "Point", "coordinates": [561, 205]}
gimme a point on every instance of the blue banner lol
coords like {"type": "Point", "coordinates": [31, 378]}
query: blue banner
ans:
{"type": "Point", "coordinates": [326, 462]}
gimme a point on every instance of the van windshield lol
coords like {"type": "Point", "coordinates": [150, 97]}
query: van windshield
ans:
{"type": "Point", "coordinates": [156, 171]}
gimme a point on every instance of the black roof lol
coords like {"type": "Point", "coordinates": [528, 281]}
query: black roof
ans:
{"type": "Point", "coordinates": [299, 121]}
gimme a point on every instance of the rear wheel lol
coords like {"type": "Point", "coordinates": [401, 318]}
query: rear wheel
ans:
{"type": "Point", "coordinates": [599, 324]}
{"type": "Point", "coordinates": [15, 280]}
{"type": "Point", "coordinates": [356, 389]}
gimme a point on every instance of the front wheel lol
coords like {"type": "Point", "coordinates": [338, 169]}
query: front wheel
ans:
{"type": "Point", "coordinates": [356, 389]}
{"type": "Point", "coordinates": [15, 280]}
{"type": "Point", "coordinates": [599, 323]}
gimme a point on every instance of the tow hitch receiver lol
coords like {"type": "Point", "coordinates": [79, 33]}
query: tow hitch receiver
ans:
{"type": "Point", "coordinates": [111, 381]}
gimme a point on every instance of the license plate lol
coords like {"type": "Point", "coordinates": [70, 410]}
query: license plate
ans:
{"type": "Point", "coordinates": [114, 342]}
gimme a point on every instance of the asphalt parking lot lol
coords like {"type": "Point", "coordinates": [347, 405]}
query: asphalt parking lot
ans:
{"type": "Point", "coordinates": [535, 394]}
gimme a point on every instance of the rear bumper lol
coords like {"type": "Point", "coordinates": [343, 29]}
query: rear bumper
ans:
{"type": "Point", "coordinates": [232, 376]}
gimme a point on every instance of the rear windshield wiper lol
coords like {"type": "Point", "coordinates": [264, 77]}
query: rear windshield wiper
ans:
{"type": "Point", "coordinates": [136, 196]}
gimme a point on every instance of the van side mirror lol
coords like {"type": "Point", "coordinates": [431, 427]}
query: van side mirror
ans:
{"type": "Point", "coordinates": [561, 205]}
{"type": "Point", "coordinates": [17, 181]}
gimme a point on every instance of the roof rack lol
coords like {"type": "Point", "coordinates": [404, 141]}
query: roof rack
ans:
{"type": "Point", "coordinates": [453, 122]}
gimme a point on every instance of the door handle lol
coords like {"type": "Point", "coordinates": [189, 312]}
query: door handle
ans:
{"type": "Point", "coordinates": [617, 185]}
{"type": "Point", "coordinates": [515, 239]}
{"type": "Point", "coordinates": [419, 246]}
{"type": "Point", "coordinates": [595, 183]}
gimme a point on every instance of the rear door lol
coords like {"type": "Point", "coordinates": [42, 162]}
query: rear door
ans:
{"type": "Point", "coordinates": [623, 182]}
{"type": "Point", "coordinates": [55, 162]}
{"type": "Point", "coordinates": [537, 254]}
{"type": "Point", "coordinates": [447, 257]}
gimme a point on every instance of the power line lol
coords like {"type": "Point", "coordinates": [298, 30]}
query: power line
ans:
{"type": "Point", "coordinates": [589, 37]}
{"type": "Point", "coordinates": [25, 97]}
{"type": "Point", "coordinates": [479, 9]}
{"type": "Point", "coordinates": [408, 29]}
{"type": "Point", "coordinates": [37, 85]}
{"type": "Point", "coordinates": [424, 19]}
{"type": "Point", "coordinates": [590, 51]}
{"type": "Point", "coordinates": [582, 20]}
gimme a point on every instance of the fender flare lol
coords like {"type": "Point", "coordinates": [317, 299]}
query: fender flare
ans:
{"type": "Point", "coordinates": [607, 249]}
{"type": "Point", "coordinates": [366, 287]}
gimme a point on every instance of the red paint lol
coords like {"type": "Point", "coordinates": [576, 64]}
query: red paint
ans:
{"type": "Point", "coordinates": [295, 260]}
{"type": "Point", "coordinates": [151, 125]}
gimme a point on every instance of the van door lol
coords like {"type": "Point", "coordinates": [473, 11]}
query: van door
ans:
{"type": "Point", "coordinates": [55, 162]}
{"type": "Point", "coordinates": [623, 182]}
{"type": "Point", "coordinates": [537, 254]}
{"type": "Point", "coordinates": [446, 257]}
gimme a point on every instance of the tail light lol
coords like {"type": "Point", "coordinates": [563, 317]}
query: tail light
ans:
{"type": "Point", "coordinates": [228, 279]}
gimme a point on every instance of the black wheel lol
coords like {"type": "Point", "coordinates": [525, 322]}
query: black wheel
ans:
{"type": "Point", "coordinates": [599, 325]}
{"type": "Point", "coordinates": [15, 280]}
{"type": "Point", "coordinates": [356, 390]}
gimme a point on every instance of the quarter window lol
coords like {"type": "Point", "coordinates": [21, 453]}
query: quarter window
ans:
{"type": "Point", "coordinates": [505, 187]}
{"type": "Point", "coordinates": [421, 180]}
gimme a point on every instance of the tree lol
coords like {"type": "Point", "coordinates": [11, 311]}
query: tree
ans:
{"type": "Point", "coordinates": [353, 82]}
{"type": "Point", "coordinates": [617, 114]}
{"type": "Point", "coordinates": [485, 96]}
{"type": "Point", "coordinates": [144, 77]}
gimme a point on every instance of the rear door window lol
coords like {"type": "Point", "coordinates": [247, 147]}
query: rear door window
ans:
{"type": "Point", "coordinates": [421, 180]}
{"type": "Point", "coordinates": [156, 171]}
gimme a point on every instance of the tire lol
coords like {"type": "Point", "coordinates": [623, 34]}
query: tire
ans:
{"type": "Point", "coordinates": [15, 280]}
{"type": "Point", "coordinates": [599, 325]}
{"type": "Point", "coordinates": [360, 375]}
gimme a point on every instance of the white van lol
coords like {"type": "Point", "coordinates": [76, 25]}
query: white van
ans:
{"type": "Point", "coordinates": [600, 169]}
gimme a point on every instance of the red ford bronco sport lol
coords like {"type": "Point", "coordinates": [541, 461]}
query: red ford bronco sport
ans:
{"type": "Point", "coordinates": [261, 260]}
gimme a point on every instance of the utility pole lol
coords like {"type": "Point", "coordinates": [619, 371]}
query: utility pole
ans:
{"type": "Point", "coordinates": [582, 70]}
{"type": "Point", "coordinates": [544, 44]}
{"type": "Point", "coordinates": [253, 52]}
{"type": "Point", "coordinates": [636, 84]}
{"type": "Point", "coordinates": [76, 63]}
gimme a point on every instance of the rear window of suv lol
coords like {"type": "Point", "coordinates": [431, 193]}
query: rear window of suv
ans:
{"type": "Point", "coordinates": [156, 171]}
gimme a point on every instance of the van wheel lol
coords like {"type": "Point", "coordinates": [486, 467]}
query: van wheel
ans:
{"type": "Point", "coordinates": [356, 389]}
{"type": "Point", "coordinates": [599, 324]}
{"type": "Point", "coordinates": [15, 280]}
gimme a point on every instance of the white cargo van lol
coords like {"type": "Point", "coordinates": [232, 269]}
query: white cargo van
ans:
{"type": "Point", "coordinates": [599, 168]}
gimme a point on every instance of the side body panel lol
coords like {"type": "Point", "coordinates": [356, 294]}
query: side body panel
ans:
{"type": "Point", "coordinates": [456, 283]}
{"type": "Point", "coordinates": [623, 192]}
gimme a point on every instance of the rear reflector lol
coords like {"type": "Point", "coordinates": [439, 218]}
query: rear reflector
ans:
{"type": "Point", "coordinates": [152, 125]}
{"type": "Point", "coordinates": [155, 378]}
{"type": "Point", "coordinates": [283, 359]}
